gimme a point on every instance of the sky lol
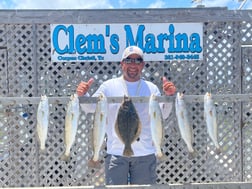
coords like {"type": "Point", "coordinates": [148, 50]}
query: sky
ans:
{"type": "Point", "coordinates": [121, 4]}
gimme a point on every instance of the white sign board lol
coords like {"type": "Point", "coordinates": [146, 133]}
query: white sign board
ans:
{"type": "Point", "coordinates": [106, 42]}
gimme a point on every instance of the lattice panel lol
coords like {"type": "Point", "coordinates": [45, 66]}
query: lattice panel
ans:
{"type": "Point", "coordinates": [246, 33]}
{"type": "Point", "coordinates": [188, 76]}
{"type": "Point", "coordinates": [221, 61]}
{"type": "Point", "coordinates": [20, 60]}
{"type": "Point", "coordinates": [61, 79]}
{"type": "Point", "coordinates": [177, 167]}
{"type": "Point", "coordinates": [43, 58]}
{"type": "Point", "coordinates": [3, 72]}
{"type": "Point", "coordinates": [221, 77]}
{"type": "Point", "coordinates": [5, 168]}
{"type": "Point", "coordinates": [2, 35]}
{"type": "Point", "coordinates": [154, 72]}
{"type": "Point", "coordinates": [49, 162]}
{"type": "Point", "coordinates": [20, 160]}
{"type": "Point", "coordinates": [207, 165]}
{"type": "Point", "coordinates": [229, 139]}
{"type": "Point", "coordinates": [247, 113]}
{"type": "Point", "coordinates": [247, 69]}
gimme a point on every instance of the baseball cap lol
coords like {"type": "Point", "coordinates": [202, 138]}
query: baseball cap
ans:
{"type": "Point", "coordinates": [132, 50]}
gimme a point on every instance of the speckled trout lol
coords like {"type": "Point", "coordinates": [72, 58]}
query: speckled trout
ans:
{"type": "Point", "coordinates": [71, 125]}
{"type": "Point", "coordinates": [185, 128]}
{"type": "Point", "coordinates": [128, 125]}
{"type": "Point", "coordinates": [99, 128]}
{"type": "Point", "coordinates": [156, 124]}
{"type": "Point", "coordinates": [42, 121]}
{"type": "Point", "coordinates": [211, 120]}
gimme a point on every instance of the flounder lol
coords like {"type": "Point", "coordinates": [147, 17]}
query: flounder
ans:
{"type": "Point", "coordinates": [128, 125]}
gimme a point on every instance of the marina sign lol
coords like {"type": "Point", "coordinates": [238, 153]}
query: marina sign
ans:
{"type": "Point", "coordinates": [106, 42]}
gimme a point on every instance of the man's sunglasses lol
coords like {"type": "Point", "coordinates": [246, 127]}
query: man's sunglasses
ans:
{"type": "Point", "coordinates": [133, 60]}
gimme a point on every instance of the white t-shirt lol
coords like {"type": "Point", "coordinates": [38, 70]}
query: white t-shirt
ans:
{"type": "Point", "coordinates": [115, 88]}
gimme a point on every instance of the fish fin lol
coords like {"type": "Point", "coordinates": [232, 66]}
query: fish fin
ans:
{"type": "Point", "coordinates": [128, 151]}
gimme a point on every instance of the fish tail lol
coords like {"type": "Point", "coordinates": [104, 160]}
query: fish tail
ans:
{"type": "Point", "coordinates": [218, 150]}
{"type": "Point", "coordinates": [65, 157]}
{"type": "Point", "coordinates": [159, 154]}
{"type": "Point", "coordinates": [192, 155]}
{"type": "Point", "coordinates": [95, 156]}
{"type": "Point", "coordinates": [162, 158]}
{"type": "Point", "coordinates": [94, 164]}
{"type": "Point", "coordinates": [42, 149]}
{"type": "Point", "coordinates": [128, 151]}
{"type": "Point", "coordinates": [42, 144]}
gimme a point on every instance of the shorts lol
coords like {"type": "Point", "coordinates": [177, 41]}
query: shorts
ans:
{"type": "Point", "coordinates": [120, 170]}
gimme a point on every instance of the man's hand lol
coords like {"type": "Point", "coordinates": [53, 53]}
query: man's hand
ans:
{"type": "Point", "coordinates": [168, 87]}
{"type": "Point", "coordinates": [83, 87]}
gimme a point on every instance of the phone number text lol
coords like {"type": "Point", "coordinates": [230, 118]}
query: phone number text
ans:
{"type": "Point", "coordinates": [181, 57]}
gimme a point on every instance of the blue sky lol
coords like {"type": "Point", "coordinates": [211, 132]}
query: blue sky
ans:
{"type": "Point", "coordinates": [118, 4]}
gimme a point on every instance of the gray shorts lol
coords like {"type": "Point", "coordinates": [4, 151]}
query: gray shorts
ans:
{"type": "Point", "coordinates": [121, 170]}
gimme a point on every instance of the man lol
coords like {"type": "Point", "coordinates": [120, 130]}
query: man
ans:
{"type": "Point", "coordinates": [141, 167]}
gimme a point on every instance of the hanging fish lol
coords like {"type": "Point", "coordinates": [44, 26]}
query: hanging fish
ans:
{"type": "Point", "coordinates": [71, 125]}
{"type": "Point", "coordinates": [211, 120]}
{"type": "Point", "coordinates": [128, 125]}
{"type": "Point", "coordinates": [42, 121]}
{"type": "Point", "coordinates": [99, 128]}
{"type": "Point", "coordinates": [185, 128]}
{"type": "Point", "coordinates": [156, 124]}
